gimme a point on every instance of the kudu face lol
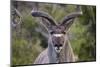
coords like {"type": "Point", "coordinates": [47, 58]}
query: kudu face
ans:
{"type": "Point", "coordinates": [57, 34]}
{"type": "Point", "coordinates": [57, 31]}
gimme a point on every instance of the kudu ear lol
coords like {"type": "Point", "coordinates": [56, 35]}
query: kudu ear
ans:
{"type": "Point", "coordinates": [47, 20]}
{"type": "Point", "coordinates": [68, 20]}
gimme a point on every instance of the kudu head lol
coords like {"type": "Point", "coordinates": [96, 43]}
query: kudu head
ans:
{"type": "Point", "coordinates": [57, 32]}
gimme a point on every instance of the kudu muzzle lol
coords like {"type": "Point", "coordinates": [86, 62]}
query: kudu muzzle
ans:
{"type": "Point", "coordinates": [58, 42]}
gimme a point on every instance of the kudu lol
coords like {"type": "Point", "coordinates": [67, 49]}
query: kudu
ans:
{"type": "Point", "coordinates": [59, 49]}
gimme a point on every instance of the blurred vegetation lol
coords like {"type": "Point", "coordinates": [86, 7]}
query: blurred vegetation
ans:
{"type": "Point", "coordinates": [28, 43]}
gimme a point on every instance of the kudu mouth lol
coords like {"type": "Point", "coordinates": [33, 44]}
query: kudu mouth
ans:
{"type": "Point", "coordinates": [58, 47]}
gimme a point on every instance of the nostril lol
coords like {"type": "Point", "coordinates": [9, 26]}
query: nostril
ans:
{"type": "Point", "coordinates": [60, 45]}
{"type": "Point", "coordinates": [56, 45]}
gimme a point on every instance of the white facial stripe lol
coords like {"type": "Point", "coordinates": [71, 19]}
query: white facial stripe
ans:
{"type": "Point", "coordinates": [57, 35]}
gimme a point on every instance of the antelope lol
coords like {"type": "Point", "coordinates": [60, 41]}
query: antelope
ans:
{"type": "Point", "coordinates": [59, 49]}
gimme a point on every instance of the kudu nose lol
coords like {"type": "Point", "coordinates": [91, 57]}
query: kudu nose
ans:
{"type": "Point", "coordinates": [58, 47]}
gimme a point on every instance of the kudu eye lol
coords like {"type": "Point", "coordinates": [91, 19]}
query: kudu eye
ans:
{"type": "Point", "coordinates": [52, 32]}
{"type": "Point", "coordinates": [64, 32]}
